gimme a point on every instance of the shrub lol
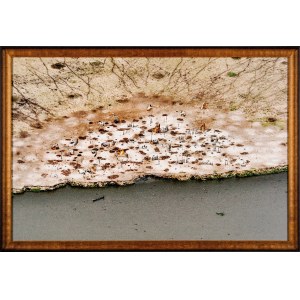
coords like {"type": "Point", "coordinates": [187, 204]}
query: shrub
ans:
{"type": "Point", "coordinates": [24, 134]}
{"type": "Point", "coordinates": [232, 74]}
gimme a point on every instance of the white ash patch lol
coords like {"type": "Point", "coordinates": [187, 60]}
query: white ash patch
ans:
{"type": "Point", "coordinates": [31, 158]}
{"type": "Point", "coordinates": [160, 144]}
{"type": "Point", "coordinates": [18, 143]}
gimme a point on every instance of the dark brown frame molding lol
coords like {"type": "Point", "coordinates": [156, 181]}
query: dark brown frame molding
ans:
{"type": "Point", "coordinates": [8, 53]}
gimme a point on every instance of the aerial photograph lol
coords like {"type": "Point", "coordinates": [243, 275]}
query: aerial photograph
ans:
{"type": "Point", "coordinates": [149, 148]}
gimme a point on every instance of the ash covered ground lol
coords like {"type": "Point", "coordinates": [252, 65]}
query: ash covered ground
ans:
{"type": "Point", "coordinates": [92, 122]}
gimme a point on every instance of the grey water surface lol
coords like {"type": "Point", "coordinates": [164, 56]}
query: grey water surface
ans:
{"type": "Point", "coordinates": [253, 208]}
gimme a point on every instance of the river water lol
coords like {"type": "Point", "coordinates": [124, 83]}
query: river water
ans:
{"type": "Point", "coordinates": [253, 208]}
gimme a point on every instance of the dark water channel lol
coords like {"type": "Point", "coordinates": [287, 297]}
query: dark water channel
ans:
{"type": "Point", "coordinates": [253, 208]}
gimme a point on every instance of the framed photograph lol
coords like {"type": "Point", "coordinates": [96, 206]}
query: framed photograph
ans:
{"type": "Point", "coordinates": [140, 148]}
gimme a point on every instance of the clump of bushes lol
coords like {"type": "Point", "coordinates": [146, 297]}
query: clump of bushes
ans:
{"type": "Point", "coordinates": [58, 66]}
{"type": "Point", "coordinates": [232, 74]}
{"type": "Point", "coordinates": [233, 106]}
{"type": "Point", "coordinates": [272, 121]}
{"type": "Point", "coordinates": [36, 125]}
{"type": "Point", "coordinates": [24, 134]}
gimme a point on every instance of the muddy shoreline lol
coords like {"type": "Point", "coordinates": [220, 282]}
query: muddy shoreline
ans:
{"type": "Point", "coordinates": [185, 177]}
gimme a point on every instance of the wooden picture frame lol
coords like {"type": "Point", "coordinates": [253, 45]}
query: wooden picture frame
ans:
{"type": "Point", "coordinates": [292, 53]}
